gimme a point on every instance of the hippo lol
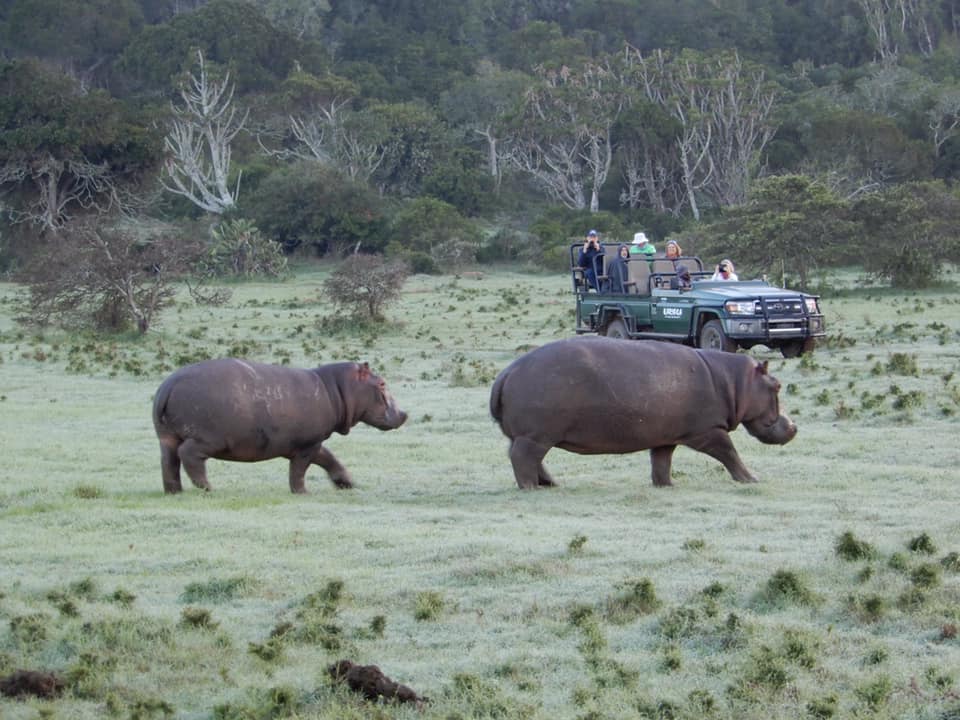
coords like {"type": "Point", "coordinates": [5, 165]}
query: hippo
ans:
{"type": "Point", "coordinates": [602, 395]}
{"type": "Point", "coordinates": [233, 409]}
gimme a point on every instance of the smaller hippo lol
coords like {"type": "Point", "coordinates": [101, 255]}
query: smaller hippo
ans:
{"type": "Point", "coordinates": [600, 395]}
{"type": "Point", "coordinates": [232, 409]}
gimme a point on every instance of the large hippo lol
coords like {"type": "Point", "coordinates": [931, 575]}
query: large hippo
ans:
{"type": "Point", "coordinates": [601, 395]}
{"type": "Point", "coordinates": [233, 409]}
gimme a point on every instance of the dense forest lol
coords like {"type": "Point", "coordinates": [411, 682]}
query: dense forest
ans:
{"type": "Point", "coordinates": [791, 134]}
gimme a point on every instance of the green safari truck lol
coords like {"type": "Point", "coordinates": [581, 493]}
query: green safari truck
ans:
{"type": "Point", "coordinates": [655, 304]}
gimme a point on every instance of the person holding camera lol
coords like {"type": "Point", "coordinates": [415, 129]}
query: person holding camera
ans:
{"type": "Point", "coordinates": [591, 250]}
{"type": "Point", "coordinates": [724, 272]}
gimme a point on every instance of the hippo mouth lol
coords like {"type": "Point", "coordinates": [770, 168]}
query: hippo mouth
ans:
{"type": "Point", "coordinates": [391, 421]}
{"type": "Point", "coordinates": [779, 432]}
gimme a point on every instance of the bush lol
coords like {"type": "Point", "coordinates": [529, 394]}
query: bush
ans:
{"type": "Point", "coordinates": [239, 249]}
{"type": "Point", "coordinates": [364, 284]}
{"type": "Point", "coordinates": [435, 227]}
{"type": "Point", "coordinates": [108, 277]}
{"type": "Point", "coordinates": [310, 206]}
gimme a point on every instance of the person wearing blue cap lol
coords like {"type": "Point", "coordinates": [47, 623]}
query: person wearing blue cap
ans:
{"type": "Point", "coordinates": [585, 259]}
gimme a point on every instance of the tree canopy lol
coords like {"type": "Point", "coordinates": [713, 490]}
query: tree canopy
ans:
{"type": "Point", "coordinates": [676, 112]}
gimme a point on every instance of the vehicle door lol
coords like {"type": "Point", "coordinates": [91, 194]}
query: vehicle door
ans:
{"type": "Point", "coordinates": [672, 312]}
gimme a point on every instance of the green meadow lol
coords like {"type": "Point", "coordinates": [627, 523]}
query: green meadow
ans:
{"type": "Point", "coordinates": [829, 589]}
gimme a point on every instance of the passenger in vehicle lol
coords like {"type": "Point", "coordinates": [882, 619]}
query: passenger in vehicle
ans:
{"type": "Point", "coordinates": [674, 250]}
{"type": "Point", "coordinates": [617, 272]}
{"type": "Point", "coordinates": [585, 259]}
{"type": "Point", "coordinates": [642, 246]}
{"type": "Point", "coordinates": [724, 272]}
{"type": "Point", "coordinates": [681, 281]}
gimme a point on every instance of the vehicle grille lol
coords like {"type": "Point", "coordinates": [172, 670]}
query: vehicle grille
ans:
{"type": "Point", "coordinates": [781, 307]}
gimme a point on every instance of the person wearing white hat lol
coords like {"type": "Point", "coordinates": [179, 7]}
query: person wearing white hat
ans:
{"type": "Point", "coordinates": [641, 246]}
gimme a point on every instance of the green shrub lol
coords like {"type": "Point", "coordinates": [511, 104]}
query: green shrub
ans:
{"type": "Point", "coordinates": [925, 576]}
{"type": "Point", "coordinates": [787, 587]}
{"type": "Point", "coordinates": [239, 249]}
{"type": "Point", "coordinates": [636, 597]}
{"type": "Point", "coordinates": [875, 693]}
{"type": "Point", "coordinates": [428, 605]}
{"type": "Point", "coordinates": [848, 547]}
{"type": "Point", "coordinates": [217, 590]}
{"type": "Point", "coordinates": [922, 544]}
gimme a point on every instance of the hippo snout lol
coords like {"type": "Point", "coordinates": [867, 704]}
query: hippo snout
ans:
{"type": "Point", "coordinates": [392, 418]}
{"type": "Point", "coordinates": [779, 432]}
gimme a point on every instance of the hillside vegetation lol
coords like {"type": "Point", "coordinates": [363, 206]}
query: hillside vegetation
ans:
{"type": "Point", "coordinates": [788, 135]}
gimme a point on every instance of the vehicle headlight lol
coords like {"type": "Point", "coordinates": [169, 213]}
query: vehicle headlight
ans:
{"type": "Point", "coordinates": [741, 307]}
{"type": "Point", "coordinates": [812, 306]}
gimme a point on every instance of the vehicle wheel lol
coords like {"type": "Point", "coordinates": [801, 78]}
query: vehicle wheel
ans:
{"type": "Point", "coordinates": [798, 347]}
{"type": "Point", "coordinates": [616, 328]}
{"type": "Point", "coordinates": [712, 337]}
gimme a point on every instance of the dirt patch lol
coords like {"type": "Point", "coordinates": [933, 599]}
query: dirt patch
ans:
{"type": "Point", "coordinates": [369, 681]}
{"type": "Point", "coordinates": [22, 683]}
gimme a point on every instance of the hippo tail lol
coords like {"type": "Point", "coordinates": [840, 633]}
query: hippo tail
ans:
{"type": "Point", "coordinates": [496, 399]}
{"type": "Point", "coordinates": [160, 405]}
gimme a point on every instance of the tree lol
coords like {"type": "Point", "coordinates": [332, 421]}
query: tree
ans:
{"type": "Point", "coordinates": [310, 205]}
{"type": "Point", "coordinates": [64, 151]}
{"type": "Point", "coordinates": [562, 136]}
{"type": "Point", "coordinates": [722, 107]}
{"type": "Point", "coordinates": [908, 232]}
{"type": "Point", "coordinates": [234, 34]}
{"type": "Point", "coordinates": [436, 227]}
{"type": "Point", "coordinates": [790, 225]}
{"type": "Point", "coordinates": [363, 285]}
{"type": "Point", "coordinates": [109, 277]}
{"type": "Point", "coordinates": [198, 163]}
{"type": "Point", "coordinates": [81, 37]}
{"type": "Point", "coordinates": [481, 105]}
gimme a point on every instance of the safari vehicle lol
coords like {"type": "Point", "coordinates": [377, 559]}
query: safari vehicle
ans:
{"type": "Point", "coordinates": [707, 314]}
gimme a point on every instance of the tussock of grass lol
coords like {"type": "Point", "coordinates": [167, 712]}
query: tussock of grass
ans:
{"type": "Point", "coordinates": [848, 547]}
{"type": "Point", "coordinates": [88, 492]}
{"type": "Point", "coordinates": [922, 544]}
{"type": "Point", "coordinates": [198, 617]}
{"type": "Point", "coordinates": [636, 597]}
{"type": "Point", "coordinates": [786, 587]}
{"type": "Point", "coordinates": [428, 605]}
{"type": "Point", "coordinates": [218, 590]}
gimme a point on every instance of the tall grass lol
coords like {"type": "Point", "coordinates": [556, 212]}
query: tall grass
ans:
{"type": "Point", "coordinates": [708, 599]}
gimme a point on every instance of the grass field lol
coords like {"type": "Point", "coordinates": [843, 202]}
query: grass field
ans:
{"type": "Point", "coordinates": [829, 589]}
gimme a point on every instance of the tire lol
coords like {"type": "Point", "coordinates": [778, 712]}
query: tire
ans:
{"type": "Point", "coordinates": [617, 329]}
{"type": "Point", "coordinates": [712, 337]}
{"type": "Point", "coordinates": [798, 347]}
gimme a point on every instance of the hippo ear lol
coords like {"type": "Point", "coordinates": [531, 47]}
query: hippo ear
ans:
{"type": "Point", "coordinates": [762, 367]}
{"type": "Point", "coordinates": [364, 372]}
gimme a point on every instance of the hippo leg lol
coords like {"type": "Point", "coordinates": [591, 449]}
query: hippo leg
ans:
{"type": "Point", "coordinates": [719, 446]}
{"type": "Point", "coordinates": [543, 477]}
{"type": "Point", "coordinates": [527, 458]}
{"type": "Point", "coordinates": [661, 459]}
{"type": "Point", "coordinates": [194, 458]}
{"type": "Point", "coordinates": [326, 459]}
{"type": "Point", "coordinates": [170, 466]}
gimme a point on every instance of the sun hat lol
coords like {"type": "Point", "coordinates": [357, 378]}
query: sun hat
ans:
{"type": "Point", "coordinates": [639, 238]}
{"type": "Point", "coordinates": [592, 232]}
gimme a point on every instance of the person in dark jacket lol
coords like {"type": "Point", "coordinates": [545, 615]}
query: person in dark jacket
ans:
{"type": "Point", "coordinates": [617, 273]}
{"type": "Point", "coordinates": [585, 259]}
{"type": "Point", "coordinates": [681, 281]}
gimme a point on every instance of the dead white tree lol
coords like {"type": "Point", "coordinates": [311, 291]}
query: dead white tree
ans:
{"type": "Point", "coordinates": [564, 138]}
{"type": "Point", "coordinates": [198, 145]}
{"type": "Point", "coordinates": [63, 185]}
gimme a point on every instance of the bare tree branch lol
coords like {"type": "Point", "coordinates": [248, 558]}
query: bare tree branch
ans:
{"type": "Point", "coordinates": [198, 164]}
